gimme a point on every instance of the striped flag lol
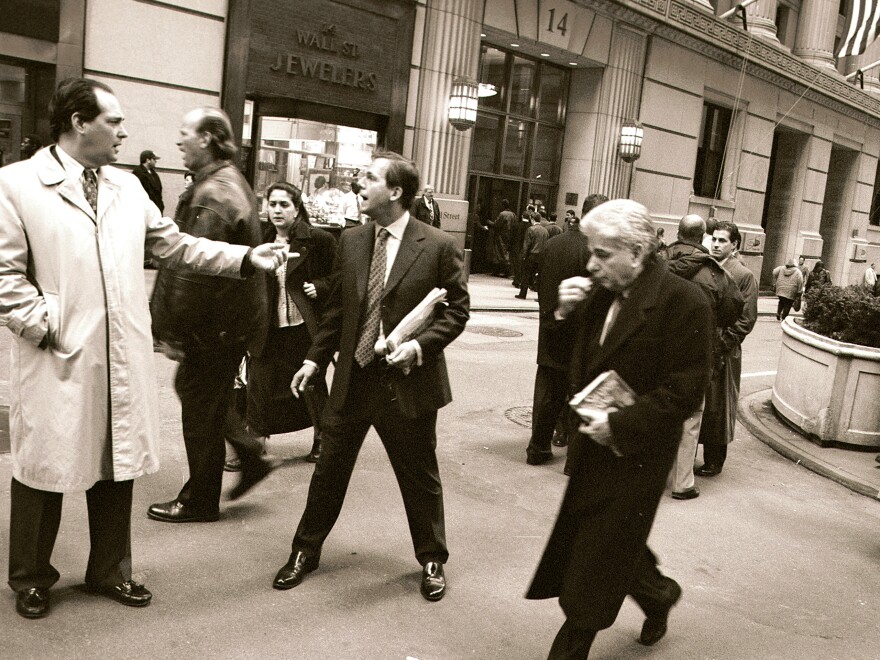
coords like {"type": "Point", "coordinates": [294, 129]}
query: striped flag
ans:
{"type": "Point", "coordinates": [863, 19]}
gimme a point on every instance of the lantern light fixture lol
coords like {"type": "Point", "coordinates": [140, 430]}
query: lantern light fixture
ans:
{"type": "Point", "coordinates": [629, 146]}
{"type": "Point", "coordinates": [463, 103]}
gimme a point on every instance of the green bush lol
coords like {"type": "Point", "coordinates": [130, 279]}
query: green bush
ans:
{"type": "Point", "coordinates": [849, 314]}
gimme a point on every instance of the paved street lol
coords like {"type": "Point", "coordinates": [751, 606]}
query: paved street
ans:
{"type": "Point", "coordinates": [775, 561]}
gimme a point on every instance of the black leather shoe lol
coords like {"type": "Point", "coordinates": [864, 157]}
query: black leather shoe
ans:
{"type": "Point", "coordinates": [560, 441]}
{"type": "Point", "coordinates": [128, 593]}
{"type": "Point", "coordinates": [538, 457]}
{"type": "Point", "coordinates": [520, 297]}
{"type": "Point", "coordinates": [175, 511]}
{"type": "Point", "coordinates": [250, 477]}
{"type": "Point", "coordinates": [708, 470]}
{"type": "Point", "coordinates": [292, 573]}
{"type": "Point", "coordinates": [688, 494]}
{"type": "Point", "coordinates": [32, 603]}
{"type": "Point", "coordinates": [315, 454]}
{"type": "Point", "coordinates": [655, 625]}
{"type": "Point", "coordinates": [433, 581]}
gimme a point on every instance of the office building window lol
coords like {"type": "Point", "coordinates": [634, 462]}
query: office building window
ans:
{"type": "Point", "coordinates": [874, 218]}
{"type": "Point", "coordinates": [709, 168]}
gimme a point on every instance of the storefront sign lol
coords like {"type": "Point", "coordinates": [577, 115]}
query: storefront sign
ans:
{"type": "Point", "coordinates": [311, 60]}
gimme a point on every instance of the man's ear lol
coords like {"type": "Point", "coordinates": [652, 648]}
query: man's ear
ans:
{"type": "Point", "coordinates": [78, 123]}
{"type": "Point", "coordinates": [396, 193]}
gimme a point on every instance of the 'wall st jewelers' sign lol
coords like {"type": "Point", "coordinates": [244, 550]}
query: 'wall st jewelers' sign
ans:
{"type": "Point", "coordinates": [312, 60]}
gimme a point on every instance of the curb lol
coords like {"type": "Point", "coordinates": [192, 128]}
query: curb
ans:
{"type": "Point", "coordinates": [754, 410]}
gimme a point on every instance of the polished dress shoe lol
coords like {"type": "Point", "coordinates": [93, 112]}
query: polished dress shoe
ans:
{"type": "Point", "coordinates": [520, 297]}
{"type": "Point", "coordinates": [655, 625]}
{"type": "Point", "coordinates": [176, 511]}
{"type": "Point", "coordinates": [708, 470]}
{"type": "Point", "coordinates": [250, 477]}
{"type": "Point", "coordinates": [538, 457]}
{"type": "Point", "coordinates": [560, 441]}
{"type": "Point", "coordinates": [433, 581]}
{"type": "Point", "coordinates": [315, 454]}
{"type": "Point", "coordinates": [32, 603]}
{"type": "Point", "coordinates": [688, 494]}
{"type": "Point", "coordinates": [128, 593]}
{"type": "Point", "coordinates": [292, 573]}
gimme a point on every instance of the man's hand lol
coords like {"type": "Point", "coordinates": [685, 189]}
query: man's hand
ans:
{"type": "Point", "coordinates": [310, 290]}
{"type": "Point", "coordinates": [269, 256]}
{"type": "Point", "coordinates": [403, 357]}
{"type": "Point", "coordinates": [571, 292]}
{"type": "Point", "coordinates": [598, 427]}
{"type": "Point", "coordinates": [301, 378]}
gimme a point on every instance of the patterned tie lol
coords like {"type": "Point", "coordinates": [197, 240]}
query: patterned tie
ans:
{"type": "Point", "coordinates": [364, 353]}
{"type": "Point", "coordinates": [90, 188]}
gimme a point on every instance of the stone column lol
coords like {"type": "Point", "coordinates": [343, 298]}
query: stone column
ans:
{"type": "Point", "coordinates": [619, 100]}
{"type": "Point", "coordinates": [446, 45]}
{"type": "Point", "coordinates": [817, 23]}
{"type": "Point", "coordinates": [761, 19]}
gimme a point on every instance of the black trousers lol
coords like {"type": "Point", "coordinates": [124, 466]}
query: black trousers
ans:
{"type": "Point", "coordinates": [35, 516]}
{"type": "Point", "coordinates": [410, 444]}
{"type": "Point", "coordinates": [549, 402]}
{"type": "Point", "coordinates": [204, 383]}
{"type": "Point", "coordinates": [651, 591]}
{"type": "Point", "coordinates": [530, 266]}
{"type": "Point", "coordinates": [784, 307]}
{"type": "Point", "coordinates": [714, 454]}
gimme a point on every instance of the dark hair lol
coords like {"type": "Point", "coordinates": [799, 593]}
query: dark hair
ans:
{"type": "Point", "coordinates": [355, 187]}
{"type": "Point", "coordinates": [295, 195]}
{"type": "Point", "coordinates": [74, 96]}
{"type": "Point", "coordinates": [732, 231]}
{"type": "Point", "coordinates": [819, 266]}
{"type": "Point", "coordinates": [591, 202]}
{"type": "Point", "coordinates": [320, 182]}
{"type": "Point", "coordinates": [505, 204]}
{"type": "Point", "coordinates": [553, 217]}
{"type": "Point", "coordinates": [660, 232]}
{"type": "Point", "coordinates": [401, 173]}
{"type": "Point", "coordinates": [216, 123]}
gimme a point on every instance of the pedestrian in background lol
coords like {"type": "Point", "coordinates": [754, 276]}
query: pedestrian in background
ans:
{"type": "Point", "coordinates": [426, 209]}
{"type": "Point", "coordinates": [788, 284]}
{"type": "Point", "coordinates": [149, 178]}
{"type": "Point", "coordinates": [819, 276]}
{"type": "Point", "coordinates": [84, 413]}
{"type": "Point", "coordinates": [518, 231]}
{"type": "Point", "coordinates": [533, 246]}
{"type": "Point", "coordinates": [30, 144]}
{"type": "Point", "coordinates": [870, 279]}
{"type": "Point", "coordinates": [500, 232]}
{"type": "Point", "coordinates": [298, 293]}
{"type": "Point", "coordinates": [631, 305]}
{"type": "Point", "coordinates": [206, 323]}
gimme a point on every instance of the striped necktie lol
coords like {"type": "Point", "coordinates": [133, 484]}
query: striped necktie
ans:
{"type": "Point", "coordinates": [90, 188]}
{"type": "Point", "coordinates": [365, 352]}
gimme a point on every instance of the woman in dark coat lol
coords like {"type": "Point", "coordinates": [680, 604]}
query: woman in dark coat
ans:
{"type": "Point", "coordinates": [297, 292]}
{"type": "Point", "coordinates": [819, 276]}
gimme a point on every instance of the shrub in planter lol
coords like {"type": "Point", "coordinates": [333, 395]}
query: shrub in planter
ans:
{"type": "Point", "coordinates": [849, 314]}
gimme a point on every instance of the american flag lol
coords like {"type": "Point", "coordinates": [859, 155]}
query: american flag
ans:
{"type": "Point", "coordinates": [863, 19]}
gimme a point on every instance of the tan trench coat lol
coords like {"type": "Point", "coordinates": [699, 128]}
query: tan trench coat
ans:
{"type": "Point", "coordinates": [85, 408]}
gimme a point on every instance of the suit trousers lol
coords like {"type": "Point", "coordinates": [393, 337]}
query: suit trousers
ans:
{"type": "Point", "coordinates": [531, 265]}
{"type": "Point", "coordinates": [35, 516]}
{"type": "Point", "coordinates": [550, 398]}
{"type": "Point", "coordinates": [410, 444]}
{"type": "Point", "coordinates": [204, 382]}
{"type": "Point", "coordinates": [683, 468]}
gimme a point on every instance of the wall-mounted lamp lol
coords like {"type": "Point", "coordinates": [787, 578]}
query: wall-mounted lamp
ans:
{"type": "Point", "coordinates": [629, 147]}
{"type": "Point", "coordinates": [463, 103]}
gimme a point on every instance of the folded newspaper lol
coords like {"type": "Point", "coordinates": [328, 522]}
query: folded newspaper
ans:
{"type": "Point", "coordinates": [608, 391]}
{"type": "Point", "coordinates": [412, 324]}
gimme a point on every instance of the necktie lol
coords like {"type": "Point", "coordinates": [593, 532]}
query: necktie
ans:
{"type": "Point", "coordinates": [364, 352]}
{"type": "Point", "coordinates": [610, 318]}
{"type": "Point", "coordinates": [90, 188]}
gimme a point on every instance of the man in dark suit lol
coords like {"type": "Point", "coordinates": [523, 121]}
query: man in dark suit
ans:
{"type": "Point", "coordinates": [654, 329]}
{"type": "Point", "coordinates": [383, 270]}
{"type": "Point", "coordinates": [564, 256]}
{"type": "Point", "coordinates": [149, 178]}
{"type": "Point", "coordinates": [426, 209]}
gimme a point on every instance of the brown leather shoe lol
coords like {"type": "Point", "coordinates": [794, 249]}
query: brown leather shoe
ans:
{"type": "Point", "coordinates": [32, 603]}
{"type": "Point", "coordinates": [292, 573]}
{"type": "Point", "coordinates": [433, 581]}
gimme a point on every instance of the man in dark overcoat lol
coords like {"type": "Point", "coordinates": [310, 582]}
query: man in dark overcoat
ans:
{"type": "Point", "coordinates": [654, 329]}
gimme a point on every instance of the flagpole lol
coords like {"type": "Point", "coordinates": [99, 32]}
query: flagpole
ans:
{"type": "Point", "coordinates": [863, 70]}
{"type": "Point", "coordinates": [742, 5]}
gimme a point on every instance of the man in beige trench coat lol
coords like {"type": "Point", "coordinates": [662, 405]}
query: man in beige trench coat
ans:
{"type": "Point", "coordinates": [83, 409]}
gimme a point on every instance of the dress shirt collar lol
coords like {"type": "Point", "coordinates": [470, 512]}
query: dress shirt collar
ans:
{"type": "Point", "coordinates": [72, 167]}
{"type": "Point", "coordinates": [398, 227]}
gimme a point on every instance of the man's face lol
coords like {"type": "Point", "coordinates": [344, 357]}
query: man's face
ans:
{"type": "Point", "coordinates": [377, 196]}
{"type": "Point", "coordinates": [101, 138]}
{"type": "Point", "coordinates": [611, 265]}
{"type": "Point", "coordinates": [192, 144]}
{"type": "Point", "coordinates": [800, 261]}
{"type": "Point", "coordinates": [429, 194]}
{"type": "Point", "coordinates": [150, 163]}
{"type": "Point", "coordinates": [722, 246]}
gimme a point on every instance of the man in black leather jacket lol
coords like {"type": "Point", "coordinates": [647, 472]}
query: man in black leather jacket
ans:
{"type": "Point", "coordinates": [207, 323]}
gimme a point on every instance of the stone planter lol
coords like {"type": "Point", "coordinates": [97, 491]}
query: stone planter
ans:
{"type": "Point", "coordinates": [828, 390]}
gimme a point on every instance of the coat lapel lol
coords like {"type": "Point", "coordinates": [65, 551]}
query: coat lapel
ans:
{"type": "Point", "coordinates": [410, 249]}
{"type": "Point", "coordinates": [363, 253]}
{"type": "Point", "coordinates": [108, 190]}
{"type": "Point", "coordinates": [631, 316]}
